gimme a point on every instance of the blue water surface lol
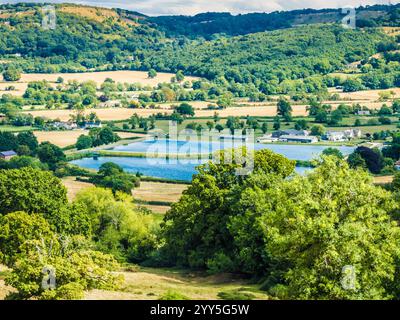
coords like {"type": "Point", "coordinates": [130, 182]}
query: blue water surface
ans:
{"type": "Point", "coordinates": [184, 169]}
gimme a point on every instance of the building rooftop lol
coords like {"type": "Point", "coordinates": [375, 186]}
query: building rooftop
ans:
{"type": "Point", "coordinates": [8, 153]}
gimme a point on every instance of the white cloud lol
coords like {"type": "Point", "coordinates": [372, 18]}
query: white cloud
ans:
{"type": "Point", "coordinates": [191, 7]}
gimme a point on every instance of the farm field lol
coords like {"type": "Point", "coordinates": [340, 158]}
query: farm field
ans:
{"type": "Point", "coordinates": [73, 186]}
{"type": "Point", "coordinates": [9, 128]}
{"type": "Point", "coordinates": [383, 179]}
{"type": "Point", "coordinates": [157, 191]}
{"type": "Point", "coordinates": [110, 114]}
{"type": "Point", "coordinates": [147, 192]}
{"type": "Point", "coordinates": [152, 284]}
{"type": "Point", "coordinates": [67, 138]}
{"type": "Point", "coordinates": [99, 77]}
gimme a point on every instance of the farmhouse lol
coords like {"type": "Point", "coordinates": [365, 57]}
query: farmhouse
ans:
{"type": "Point", "coordinates": [289, 132]}
{"type": "Point", "coordinates": [64, 125]}
{"type": "Point", "coordinates": [342, 135]}
{"type": "Point", "coordinates": [7, 155]}
{"type": "Point", "coordinates": [301, 139]}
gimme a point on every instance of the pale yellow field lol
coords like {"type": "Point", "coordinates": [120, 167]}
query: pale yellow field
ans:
{"type": "Point", "coordinates": [259, 111]}
{"type": "Point", "coordinates": [67, 138]}
{"type": "Point", "coordinates": [73, 187]}
{"type": "Point", "coordinates": [59, 138]}
{"type": "Point", "coordinates": [383, 180]}
{"type": "Point", "coordinates": [155, 191]}
{"type": "Point", "coordinates": [151, 284]}
{"type": "Point", "coordinates": [367, 95]}
{"type": "Point", "coordinates": [109, 114]}
{"type": "Point", "coordinates": [99, 77]}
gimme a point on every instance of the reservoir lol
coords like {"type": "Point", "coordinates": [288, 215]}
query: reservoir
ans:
{"type": "Point", "coordinates": [183, 169]}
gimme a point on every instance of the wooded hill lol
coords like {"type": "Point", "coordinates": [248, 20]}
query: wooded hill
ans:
{"type": "Point", "coordinates": [90, 38]}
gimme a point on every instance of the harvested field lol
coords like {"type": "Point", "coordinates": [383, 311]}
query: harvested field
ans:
{"type": "Point", "coordinates": [366, 95]}
{"type": "Point", "coordinates": [59, 138]}
{"type": "Point", "coordinates": [383, 180]}
{"type": "Point", "coordinates": [67, 138]}
{"type": "Point", "coordinates": [73, 187]}
{"type": "Point", "coordinates": [109, 114]}
{"type": "Point", "coordinates": [156, 191]}
{"type": "Point", "coordinates": [99, 77]}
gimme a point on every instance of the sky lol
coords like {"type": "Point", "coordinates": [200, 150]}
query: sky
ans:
{"type": "Point", "coordinates": [191, 7]}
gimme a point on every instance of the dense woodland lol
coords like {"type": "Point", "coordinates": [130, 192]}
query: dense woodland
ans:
{"type": "Point", "coordinates": [289, 60]}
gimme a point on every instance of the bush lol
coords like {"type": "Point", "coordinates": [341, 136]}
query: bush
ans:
{"type": "Point", "coordinates": [236, 295]}
{"type": "Point", "coordinates": [62, 272]}
{"type": "Point", "coordinates": [173, 295]}
{"type": "Point", "coordinates": [12, 74]}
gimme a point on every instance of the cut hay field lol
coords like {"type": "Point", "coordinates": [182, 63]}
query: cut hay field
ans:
{"type": "Point", "coordinates": [98, 77]}
{"type": "Point", "coordinates": [110, 114]}
{"type": "Point", "coordinates": [114, 114]}
{"type": "Point", "coordinates": [147, 192]}
{"type": "Point", "coordinates": [152, 284]}
{"type": "Point", "coordinates": [383, 179]}
{"type": "Point", "coordinates": [67, 138]}
{"type": "Point", "coordinates": [73, 186]}
{"type": "Point", "coordinates": [157, 191]}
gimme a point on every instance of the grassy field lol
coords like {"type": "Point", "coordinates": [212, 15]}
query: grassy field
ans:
{"type": "Point", "coordinates": [152, 284]}
{"type": "Point", "coordinates": [8, 128]}
{"type": "Point", "coordinates": [155, 192]}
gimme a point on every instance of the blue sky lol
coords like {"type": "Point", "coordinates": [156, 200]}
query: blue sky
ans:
{"type": "Point", "coordinates": [190, 7]}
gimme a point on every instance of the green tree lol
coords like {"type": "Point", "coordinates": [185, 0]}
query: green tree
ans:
{"type": "Point", "coordinates": [179, 76]}
{"type": "Point", "coordinates": [152, 73]}
{"type": "Point", "coordinates": [18, 227]}
{"type": "Point", "coordinates": [318, 130]}
{"type": "Point", "coordinates": [84, 142]}
{"type": "Point", "coordinates": [50, 154]}
{"type": "Point", "coordinates": [333, 152]}
{"type": "Point", "coordinates": [11, 74]}
{"type": "Point", "coordinates": [196, 229]}
{"type": "Point", "coordinates": [32, 191]}
{"type": "Point", "coordinates": [284, 108]}
{"type": "Point", "coordinates": [328, 217]}
{"type": "Point", "coordinates": [185, 109]}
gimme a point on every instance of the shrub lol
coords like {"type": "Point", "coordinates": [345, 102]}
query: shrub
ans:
{"type": "Point", "coordinates": [173, 295]}
{"type": "Point", "coordinates": [236, 295]}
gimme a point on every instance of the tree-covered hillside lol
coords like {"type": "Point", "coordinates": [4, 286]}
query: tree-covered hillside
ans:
{"type": "Point", "coordinates": [208, 24]}
{"type": "Point", "coordinates": [89, 38]}
{"type": "Point", "coordinates": [290, 54]}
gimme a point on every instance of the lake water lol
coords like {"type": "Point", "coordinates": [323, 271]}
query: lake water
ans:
{"type": "Point", "coordinates": [184, 169]}
{"type": "Point", "coordinates": [293, 152]}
